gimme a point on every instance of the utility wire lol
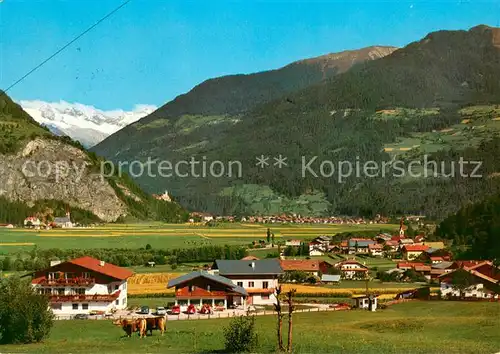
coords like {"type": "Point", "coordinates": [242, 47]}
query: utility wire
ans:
{"type": "Point", "coordinates": [67, 45]}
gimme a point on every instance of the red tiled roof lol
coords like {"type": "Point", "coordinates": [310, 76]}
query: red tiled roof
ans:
{"type": "Point", "coordinates": [391, 243]}
{"type": "Point", "coordinates": [304, 265]}
{"type": "Point", "coordinates": [423, 268]}
{"type": "Point", "coordinates": [107, 269]}
{"type": "Point", "coordinates": [410, 264]}
{"type": "Point", "coordinates": [415, 248]}
{"type": "Point", "coordinates": [375, 247]}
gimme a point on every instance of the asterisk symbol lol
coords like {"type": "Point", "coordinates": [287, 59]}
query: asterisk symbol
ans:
{"type": "Point", "coordinates": [280, 161]}
{"type": "Point", "coordinates": [262, 161]}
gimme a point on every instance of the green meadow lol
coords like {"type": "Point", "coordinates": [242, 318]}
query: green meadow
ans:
{"type": "Point", "coordinates": [414, 327]}
{"type": "Point", "coordinates": [166, 235]}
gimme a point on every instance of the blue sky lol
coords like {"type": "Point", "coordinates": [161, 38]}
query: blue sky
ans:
{"type": "Point", "coordinates": [151, 51]}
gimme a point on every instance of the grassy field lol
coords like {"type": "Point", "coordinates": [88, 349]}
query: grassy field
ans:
{"type": "Point", "coordinates": [418, 327]}
{"type": "Point", "coordinates": [166, 235]}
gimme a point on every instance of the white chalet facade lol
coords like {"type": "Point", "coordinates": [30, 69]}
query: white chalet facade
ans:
{"type": "Point", "coordinates": [83, 285]}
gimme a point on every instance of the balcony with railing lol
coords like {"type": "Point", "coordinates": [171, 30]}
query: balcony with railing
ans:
{"type": "Point", "coordinates": [76, 281]}
{"type": "Point", "coordinates": [85, 298]}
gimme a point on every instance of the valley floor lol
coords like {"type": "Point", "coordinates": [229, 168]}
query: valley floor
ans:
{"type": "Point", "coordinates": [413, 327]}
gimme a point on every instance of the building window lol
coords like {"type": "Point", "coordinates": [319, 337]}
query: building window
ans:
{"type": "Point", "coordinates": [265, 284]}
{"type": "Point", "coordinates": [240, 283]}
{"type": "Point", "coordinates": [69, 275]}
{"type": "Point", "coordinates": [191, 288]}
{"type": "Point", "coordinates": [78, 291]}
{"type": "Point", "coordinates": [85, 306]}
{"type": "Point", "coordinates": [53, 275]}
{"type": "Point", "coordinates": [60, 291]}
{"type": "Point", "coordinates": [208, 287]}
{"type": "Point", "coordinates": [125, 286]}
{"type": "Point", "coordinates": [251, 284]}
{"type": "Point", "coordinates": [117, 287]}
{"type": "Point", "coordinates": [124, 301]}
{"type": "Point", "coordinates": [75, 306]}
{"type": "Point", "coordinates": [56, 306]}
{"type": "Point", "coordinates": [85, 275]}
{"type": "Point", "coordinates": [265, 297]}
{"type": "Point", "coordinates": [117, 302]}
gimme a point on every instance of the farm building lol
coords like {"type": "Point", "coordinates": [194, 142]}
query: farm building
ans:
{"type": "Point", "coordinates": [484, 282]}
{"type": "Point", "coordinates": [82, 285]}
{"type": "Point", "coordinates": [313, 267]}
{"type": "Point", "coordinates": [330, 278]}
{"type": "Point", "coordinates": [201, 287]}
{"type": "Point", "coordinates": [259, 278]}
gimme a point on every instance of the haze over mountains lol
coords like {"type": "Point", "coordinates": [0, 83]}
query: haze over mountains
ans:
{"type": "Point", "coordinates": [83, 123]}
{"type": "Point", "coordinates": [408, 103]}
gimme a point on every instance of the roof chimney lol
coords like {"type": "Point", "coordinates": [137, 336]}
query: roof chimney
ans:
{"type": "Point", "coordinates": [54, 263]}
{"type": "Point", "coordinates": [101, 263]}
{"type": "Point", "coordinates": [253, 265]}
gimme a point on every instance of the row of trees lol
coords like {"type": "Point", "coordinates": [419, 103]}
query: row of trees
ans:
{"type": "Point", "coordinates": [40, 258]}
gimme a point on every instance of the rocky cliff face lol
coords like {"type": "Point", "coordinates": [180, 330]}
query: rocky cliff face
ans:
{"type": "Point", "coordinates": [50, 169]}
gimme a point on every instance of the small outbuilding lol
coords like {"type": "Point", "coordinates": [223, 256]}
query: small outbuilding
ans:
{"type": "Point", "coordinates": [367, 302]}
{"type": "Point", "coordinates": [330, 278]}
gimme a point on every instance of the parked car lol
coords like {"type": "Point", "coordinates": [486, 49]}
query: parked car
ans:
{"type": "Point", "coordinates": [161, 311]}
{"type": "Point", "coordinates": [144, 310]}
{"type": "Point", "coordinates": [176, 310]}
{"type": "Point", "coordinates": [206, 309]}
{"type": "Point", "coordinates": [81, 316]}
{"type": "Point", "coordinates": [191, 310]}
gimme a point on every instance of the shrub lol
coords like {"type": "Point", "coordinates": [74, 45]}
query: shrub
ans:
{"type": "Point", "coordinates": [25, 316]}
{"type": "Point", "coordinates": [240, 336]}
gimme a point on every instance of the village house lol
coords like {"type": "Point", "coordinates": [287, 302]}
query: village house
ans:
{"type": "Point", "coordinates": [435, 256]}
{"type": "Point", "coordinates": [259, 278]}
{"type": "Point", "coordinates": [64, 222]}
{"type": "Point", "coordinates": [202, 287]}
{"type": "Point", "coordinates": [344, 246]}
{"type": "Point", "coordinates": [486, 285]}
{"type": "Point", "coordinates": [375, 250]}
{"type": "Point", "coordinates": [360, 245]}
{"type": "Point", "coordinates": [411, 252]}
{"type": "Point", "coordinates": [394, 245]}
{"type": "Point", "coordinates": [316, 248]}
{"type": "Point", "coordinates": [351, 269]}
{"type": "Point", "coordinates": [405, 241]}
{"type": "Point", "coordinates": [82, 285]}
{"type": "Point", "coordinates": [293, 243]}
{"type": "Point", "coordinates": [32, 222]}
{"type": "Point", "coordinates": [313, 267]}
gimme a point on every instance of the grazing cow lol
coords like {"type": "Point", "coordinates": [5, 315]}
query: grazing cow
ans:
{"type": "Point", "coordinates": [141, 327]}
{"type": "Point", "coordinates": [157, 323]}
{"type": "Point", "coordinates": [129, 326]}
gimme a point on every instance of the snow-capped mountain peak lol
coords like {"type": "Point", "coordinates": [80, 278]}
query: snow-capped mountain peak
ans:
{"type": "Point", "coordinates": [87, 124]}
